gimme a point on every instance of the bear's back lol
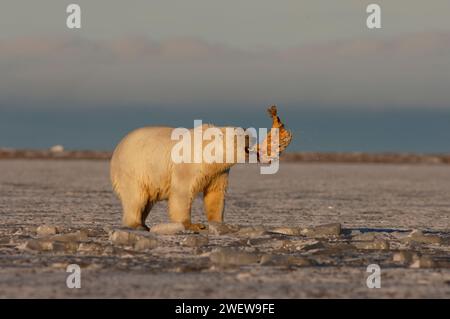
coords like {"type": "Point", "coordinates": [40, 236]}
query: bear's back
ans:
{"type": "Point", "coordinates": [145, 140]}
{"type": "Point", "coordinates": [143, 154]}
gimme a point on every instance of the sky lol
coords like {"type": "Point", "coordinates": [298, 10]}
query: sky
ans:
{"type": "Point", "coordinates": [225, 61]}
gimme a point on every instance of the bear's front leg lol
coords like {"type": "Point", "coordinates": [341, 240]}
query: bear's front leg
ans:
{"type": "Point", "coordinates": [180, 203]}
{"type": "Point", "coordinates": [214, 202]}
{"type": "Point", "coordinates": [214, 198]}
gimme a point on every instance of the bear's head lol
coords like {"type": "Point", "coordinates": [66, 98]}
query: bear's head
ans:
{"type": "Point", "coordinates": [227, 145]}
{"type": "Point", "coordinates": [213, 145]}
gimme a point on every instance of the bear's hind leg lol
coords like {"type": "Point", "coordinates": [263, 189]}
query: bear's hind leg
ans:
{"type": "Point", "coordinates": [145, 213]}
{"type": "Point", "coordinates": [135, 210]}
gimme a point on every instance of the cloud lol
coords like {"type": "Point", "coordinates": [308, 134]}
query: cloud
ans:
{"type": "Point", "coordinates": [408, 70]}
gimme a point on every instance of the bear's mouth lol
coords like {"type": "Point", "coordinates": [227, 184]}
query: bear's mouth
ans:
{"type": "Point", "coordinates": [247, 151]}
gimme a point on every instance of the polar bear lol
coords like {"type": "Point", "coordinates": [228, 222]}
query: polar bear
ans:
{"type": "Point", "coordinates": [143, 172]}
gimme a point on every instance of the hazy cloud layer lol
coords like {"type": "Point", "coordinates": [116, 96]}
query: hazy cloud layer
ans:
{"type": "Point", "coordinates": [243, 24]}
{"type": "Point", "coordinates": [411, 70]}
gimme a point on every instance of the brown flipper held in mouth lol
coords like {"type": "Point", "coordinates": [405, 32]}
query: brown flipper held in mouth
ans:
{"type": "Point", "coordinates": [265, 152]}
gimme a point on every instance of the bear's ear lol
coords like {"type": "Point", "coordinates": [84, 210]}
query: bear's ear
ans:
{"type": "Point", "coordinates": [206, 126]}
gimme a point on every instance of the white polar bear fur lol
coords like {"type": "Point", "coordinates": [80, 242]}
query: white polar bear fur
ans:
{"type": "Point", "coordinates": [142, 173]}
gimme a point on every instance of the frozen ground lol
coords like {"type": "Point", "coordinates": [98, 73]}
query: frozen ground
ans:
{"type": "Point", "coordinates": [377, 205]}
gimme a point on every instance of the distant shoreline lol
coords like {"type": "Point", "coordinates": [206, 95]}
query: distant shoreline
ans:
{"type": "Point", "coordinates": [300, 157]}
